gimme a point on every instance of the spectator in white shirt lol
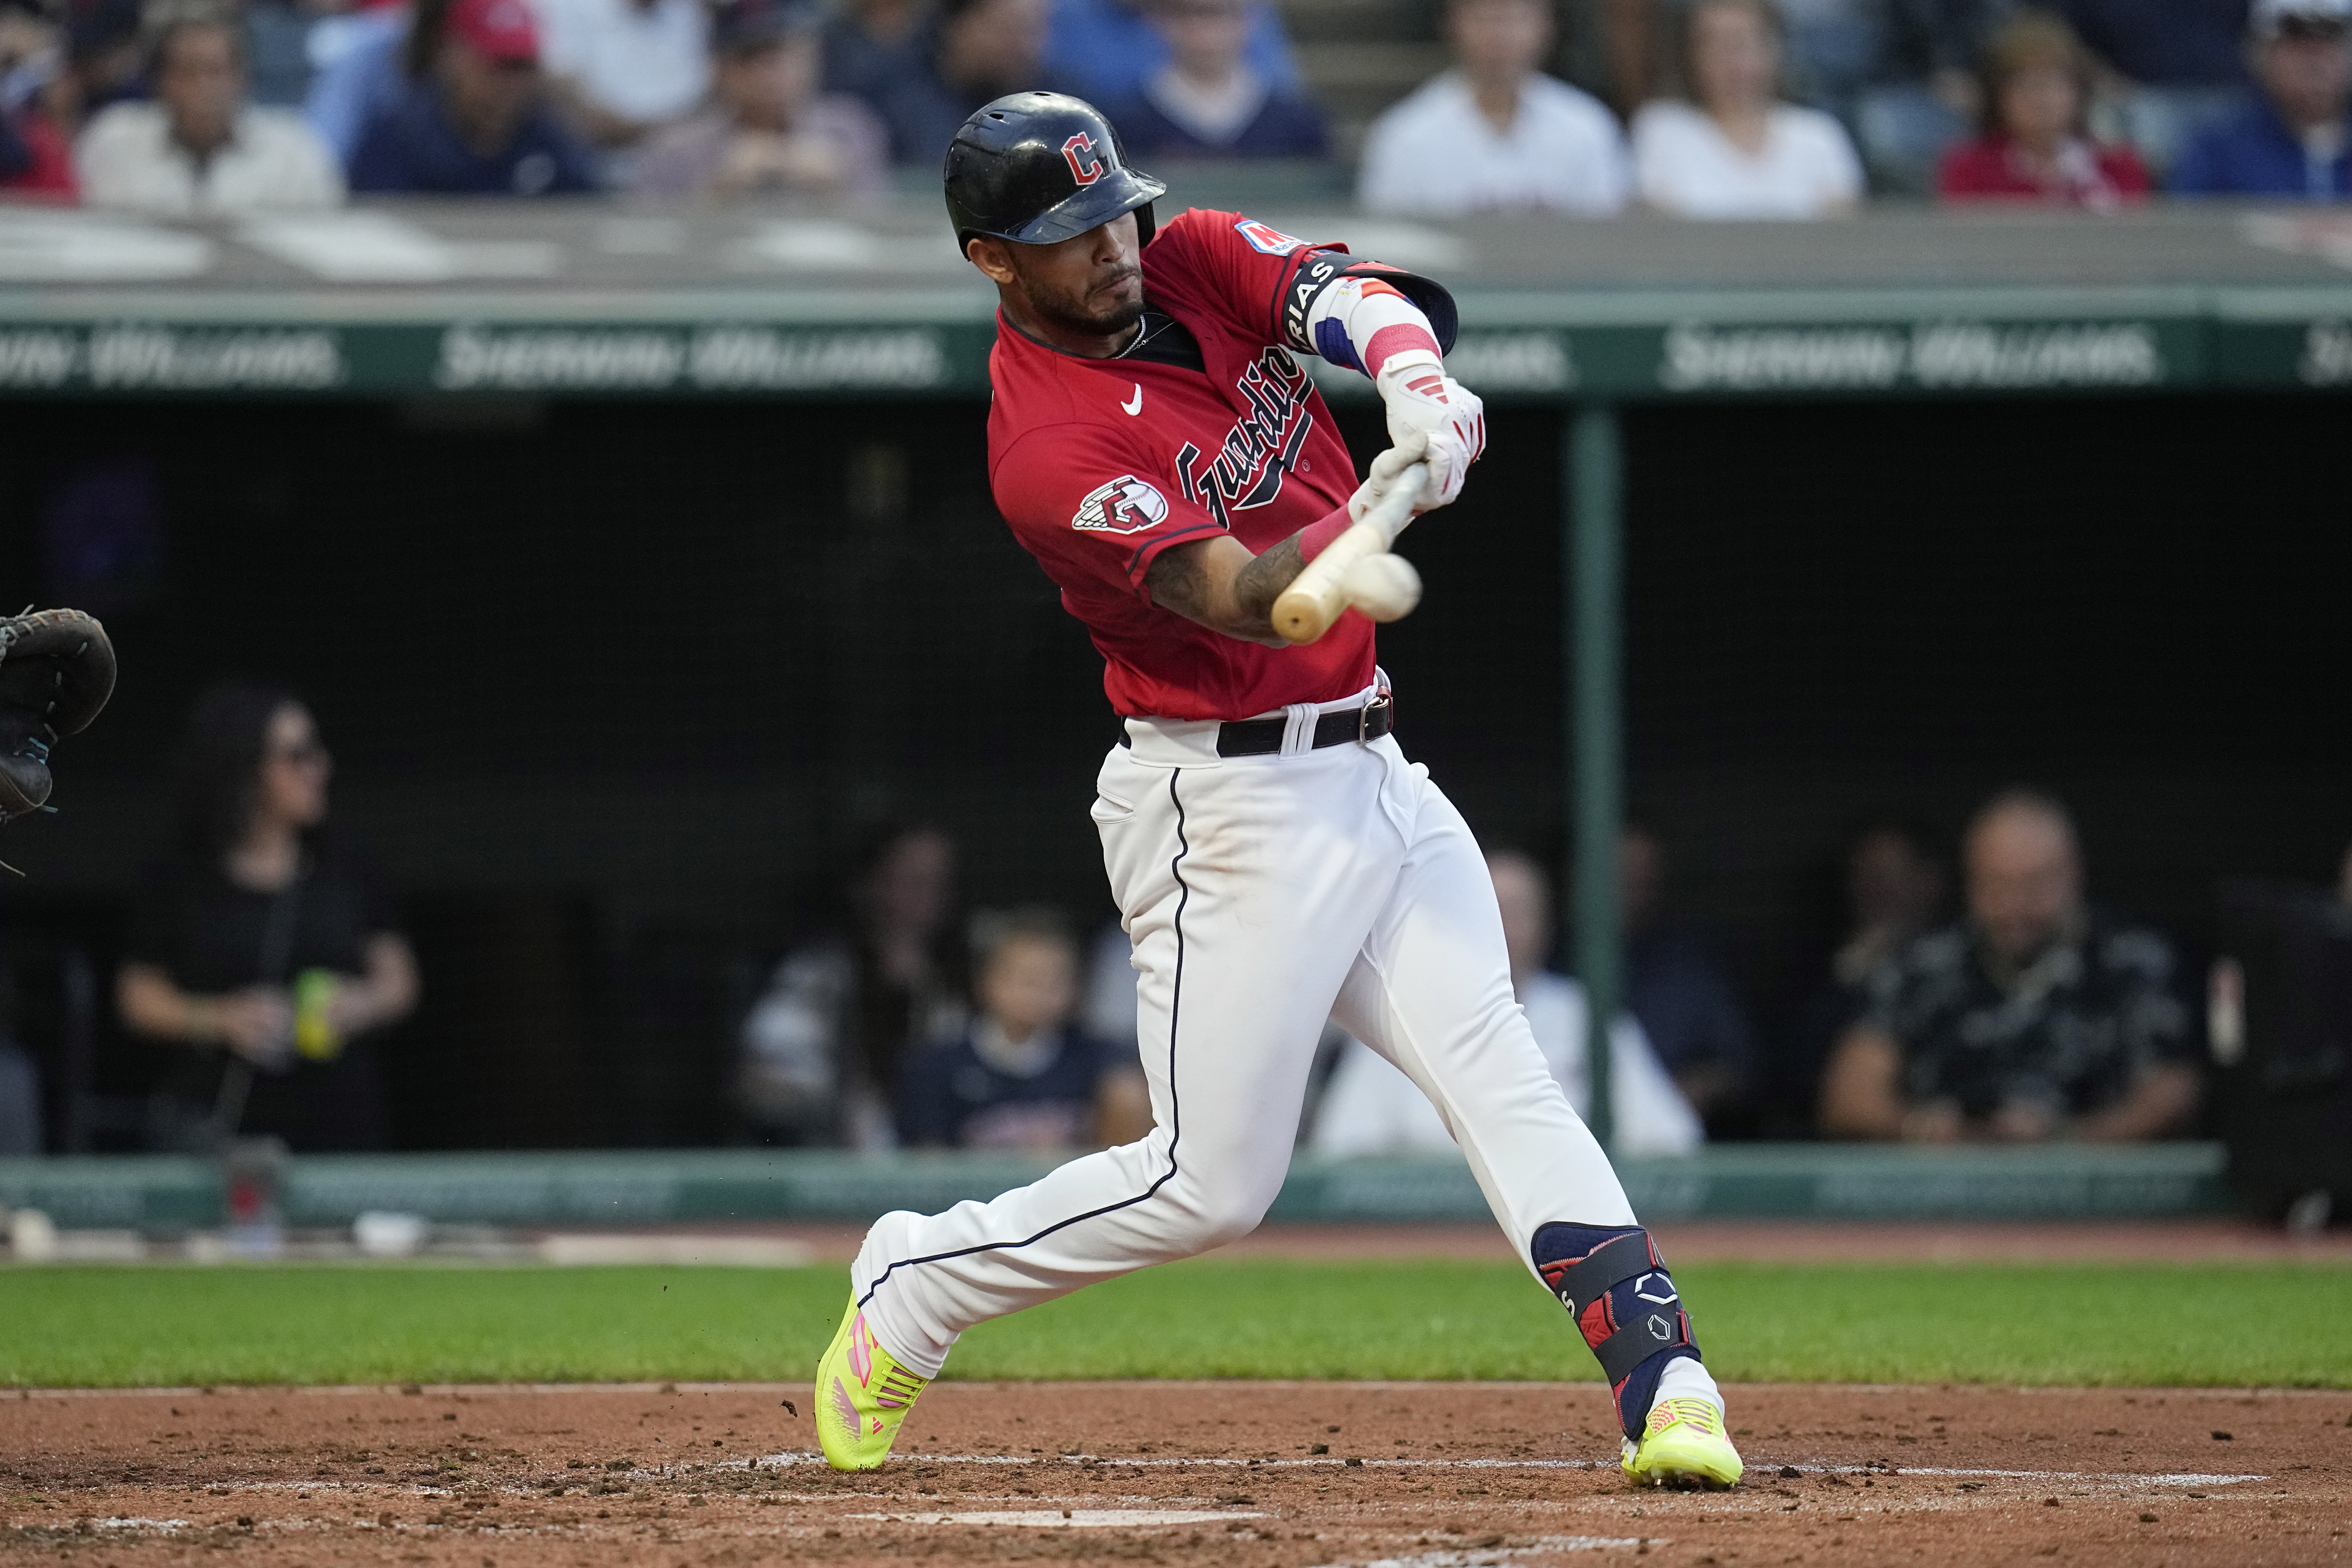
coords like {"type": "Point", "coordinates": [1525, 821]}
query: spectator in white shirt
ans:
{"type": "Point", "coordinates": [1736, 150]}
{"type": "Point", "coordinates": [199, 149]}
{"type": "Point", "coordinates": [1493, 133]}
{"type": "Point", "coordinates": [622, 68]}
{"type": "Point", "coordinates": [1371, 1108]}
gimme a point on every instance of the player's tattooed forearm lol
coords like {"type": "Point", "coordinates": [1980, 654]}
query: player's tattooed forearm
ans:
{"type": "Point", "coordinates": [1262, 581]}
{"type": "Point", "coordinates": [1178, 581]}
{"type": "Point", "coordinates": [1222, 587]}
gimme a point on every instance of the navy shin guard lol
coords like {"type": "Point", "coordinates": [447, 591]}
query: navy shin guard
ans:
{"type": "Point", "coordinates": [1614, 1284]}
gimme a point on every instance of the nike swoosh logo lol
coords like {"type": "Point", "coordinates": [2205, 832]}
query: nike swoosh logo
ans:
{"type": "Point", "coordinates": [1135, 404]}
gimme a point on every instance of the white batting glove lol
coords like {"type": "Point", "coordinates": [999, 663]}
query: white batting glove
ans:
{"type": "Point", "coordinates": [1383, 477]}
{"type": "Point", "coordinates": [1424, 400]}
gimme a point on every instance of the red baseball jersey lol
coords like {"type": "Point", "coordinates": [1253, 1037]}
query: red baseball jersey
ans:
{"type": "Point", "coordinates": [1208, 424]}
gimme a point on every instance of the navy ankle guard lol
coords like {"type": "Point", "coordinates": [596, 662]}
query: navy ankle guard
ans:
{"type": "Point", "coordinates": [1614, 1284]}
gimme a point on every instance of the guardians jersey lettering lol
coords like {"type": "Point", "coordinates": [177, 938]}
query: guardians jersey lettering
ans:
{"type": "Point", "coordinates": [1263, 445]}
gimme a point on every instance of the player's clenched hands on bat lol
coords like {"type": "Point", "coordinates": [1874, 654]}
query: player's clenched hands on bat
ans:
{"type": "Point", "coordinates": [1389, 466]}
{"type": "Point", "coordinates": [1426, 402]}
{"type": "Point", "coordinates": [1219, 584]}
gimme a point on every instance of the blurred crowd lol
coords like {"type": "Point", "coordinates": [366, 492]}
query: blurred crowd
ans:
{"type": "Point", "coordinates": [265, 970]}
{"type": "Point", "coordinates": [906, 1027]}
{"type": "Point", "coordinates": [2021, 1012]}
{"type": "Point", "coordinates": [2000, 1005]}
{"type": "Point", "coordinates": [1798, 109]}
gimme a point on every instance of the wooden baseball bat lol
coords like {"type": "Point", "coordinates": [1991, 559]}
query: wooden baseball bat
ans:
{"type": "Point", "coordinates": [1316, 597]}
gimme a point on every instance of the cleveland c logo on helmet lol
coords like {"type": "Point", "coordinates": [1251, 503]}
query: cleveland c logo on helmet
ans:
{"type": "Point", "coordinates": [1038, 168]}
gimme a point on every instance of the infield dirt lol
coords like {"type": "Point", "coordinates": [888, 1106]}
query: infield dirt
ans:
{"type": "Point", "coordinates": [1431, 1475]}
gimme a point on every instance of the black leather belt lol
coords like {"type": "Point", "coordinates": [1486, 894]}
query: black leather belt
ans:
{"type": "Point", "coordinates": [1263, 736]}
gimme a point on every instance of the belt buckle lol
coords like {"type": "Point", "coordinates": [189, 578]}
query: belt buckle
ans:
{"type": "Point", "coordinates": [1384, 701]}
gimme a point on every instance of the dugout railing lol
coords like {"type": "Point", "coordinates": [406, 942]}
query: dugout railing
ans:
{"type": "Point", "coordinates": [163, 1195]}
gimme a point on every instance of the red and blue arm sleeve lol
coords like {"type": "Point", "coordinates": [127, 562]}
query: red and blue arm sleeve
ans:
{"type": "Point", "coordinates": [1276, 286]}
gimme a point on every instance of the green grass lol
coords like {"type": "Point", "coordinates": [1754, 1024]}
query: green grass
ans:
{"type": "Point", "coordinates": [2121, 1324]}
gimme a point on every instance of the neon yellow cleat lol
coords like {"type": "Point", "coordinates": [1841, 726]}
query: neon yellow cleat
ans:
{"type": "Point", "coordinates": [862, 1394]}
{"type": "Point", "coordinates": [1684, 1446]}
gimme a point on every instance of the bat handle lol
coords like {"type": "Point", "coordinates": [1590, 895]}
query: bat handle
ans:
{"type": "Point", "coordinates": [1317, 597]}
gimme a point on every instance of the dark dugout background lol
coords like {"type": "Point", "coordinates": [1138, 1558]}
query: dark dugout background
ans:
{"type": "Point", "coordinates": [612, 688]}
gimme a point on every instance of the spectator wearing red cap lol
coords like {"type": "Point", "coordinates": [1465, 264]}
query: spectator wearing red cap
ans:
{"type": "Point", "coordinates": [474, 119]}
{"type": "Point", "coordinates": [767, 128]}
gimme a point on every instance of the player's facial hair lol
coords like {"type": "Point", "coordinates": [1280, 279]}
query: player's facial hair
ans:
{"type": "Point", "coordinates": [1067, 311]}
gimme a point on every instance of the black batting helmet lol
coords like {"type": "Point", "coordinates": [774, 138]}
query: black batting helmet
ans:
{"type": "Point", "coordinates": [1040, 167]}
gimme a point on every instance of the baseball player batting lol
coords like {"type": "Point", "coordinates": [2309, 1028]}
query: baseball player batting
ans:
{"type": "Point", "coordinates": [1157, 446]}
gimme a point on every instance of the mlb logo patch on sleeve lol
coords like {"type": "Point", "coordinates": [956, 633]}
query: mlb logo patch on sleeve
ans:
{"type": "Point", "coordinates": [1126, 505]}
{"type": "Point", "coordinates": [1272, 241]}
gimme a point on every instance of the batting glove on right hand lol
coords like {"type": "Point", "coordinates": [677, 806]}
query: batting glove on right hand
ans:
{"type": "Point", "coordinates": [1424, 400]}
{"type": "Point", "coordinates": [1384, 473]}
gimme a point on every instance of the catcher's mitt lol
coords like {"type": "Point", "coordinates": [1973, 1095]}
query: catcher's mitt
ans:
{"type": "Point", "coordinates": [57, 670]}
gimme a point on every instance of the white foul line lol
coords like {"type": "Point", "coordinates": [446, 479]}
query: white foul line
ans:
{"type": "Point", "coordinates": [2178, 1478]}
{"type": "Point", "coordinates": [1486, 1556]}
{"type": "Point", "coordinates": [1070, 1518]}
{"type": "Point", "coordinates": [1759, 1467]}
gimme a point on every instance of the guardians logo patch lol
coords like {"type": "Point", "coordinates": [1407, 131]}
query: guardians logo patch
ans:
{"type": "Point", "coordinates": [1126, 505]}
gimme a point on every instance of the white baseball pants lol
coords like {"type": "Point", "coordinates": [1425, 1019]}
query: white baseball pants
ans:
{"type": "Point", "coordinates": [1262, 895]}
